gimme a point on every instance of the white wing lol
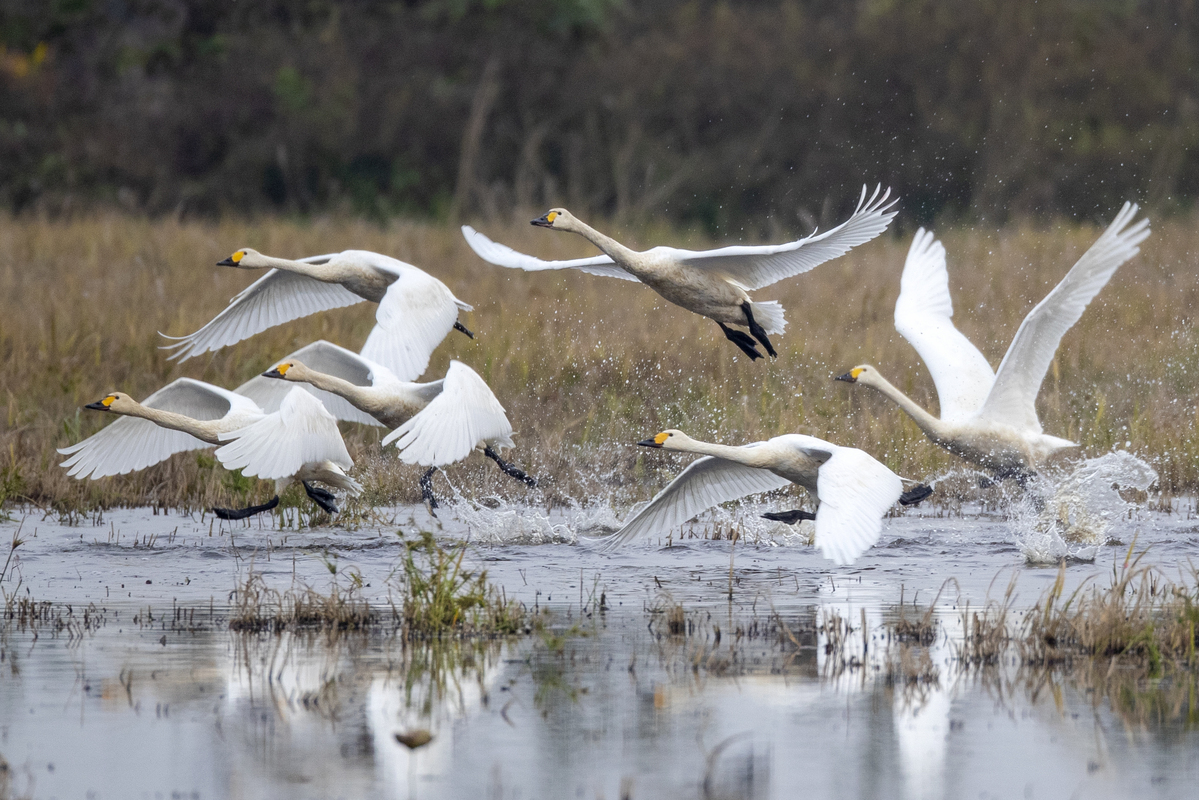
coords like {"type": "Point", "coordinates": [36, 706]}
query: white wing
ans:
{"type": "Point", "coordinates": [756, 266]}
{"type": "Point", "coordinates": [465, 415]}
{"type": "Point", "coordinates": [132, 443]}
{"type": "Point", "coordinates": [326, 357]}
{"type": "Point", "coordinates": [705, 483]}
{"type": "Point", "coordinates": [414, 316]}
{"type": "Point", "coordinates": [855, 492]}
{"type": "Point", "coordinates": [923, 316]}
{"type": "Point", "coordinates": [1013, 399]}
{"type": "Point", "coordinates": [504, 256]}
{"type": "Point", "coordinates": [278, 445]}
{"type": "Point", "coordinates": [275, 298]}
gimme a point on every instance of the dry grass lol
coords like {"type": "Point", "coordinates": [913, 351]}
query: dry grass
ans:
{"type": "Point", "coordinates": [585, 366]}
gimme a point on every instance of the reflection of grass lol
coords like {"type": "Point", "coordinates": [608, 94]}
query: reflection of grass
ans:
{"type": "Point", "coordinates": [580, 362]}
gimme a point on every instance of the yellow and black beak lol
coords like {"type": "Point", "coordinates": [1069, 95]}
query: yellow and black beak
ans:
{"type": "Point", "coordinates": [233, 260]}
{"type": "Point", "coordinates": [847, 377]}
{"type": "Point", "coordinates": [274, 373]}
{"type": "Point", "coordinates": [545, 221]}
{"type": "Point", "coordinates": [228, 262]}
{"type": "Point", "coordinates": [101, 405]}
{"type": "Point", "coordinates": [649, 443]}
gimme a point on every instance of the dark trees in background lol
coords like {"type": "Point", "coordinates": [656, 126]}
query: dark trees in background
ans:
{"type": "Point", "coordinates": [766, 116]}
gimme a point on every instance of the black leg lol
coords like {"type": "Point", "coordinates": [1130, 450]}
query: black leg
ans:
{"type": "Point", "coordinates": [789, 517]}
{"type": "Point", "coordinates": [757, 330]}
{"type": "Point", "coordinates": [916, 494]}
{"type": "Point", "coordinates": [509, 469]}
{"type": "Point", "coordinates": [249, 511]}
{"type": "Point", "coordinates": [426, 490]}
{"type": "Point", "coordinates": [323, 498]}
{"type": "Point", "coordinates": [747, 345]}
{"type": "Point", "coordinates": [458, 326]}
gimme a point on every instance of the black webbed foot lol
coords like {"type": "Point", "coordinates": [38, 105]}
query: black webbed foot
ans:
{"type": "Point", "coordinates": [747, 345]}
{"type": "Point", "coordinates": [509, 469]}
{"type": "Point", "coordinates": [758, 331]}
{"type": "Point", "coordinates": [322, 497]}
{"type": "Point", "coordinates": [789, 517]}
{"type": "Point", "coordinates": [458, 326]}
{"type": "Point", "coordinates": [915, 495]}
{"type": "Point", "coordinates": [249, 511]}
{"type": "Point", "coordinates": [426, 490]}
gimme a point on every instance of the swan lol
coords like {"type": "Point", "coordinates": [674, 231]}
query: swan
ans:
{"type": "Point", "coordinates": [298, 442]}
{"type": "Point", "coordinates": [434, 424]}
{"type": "Point", "coordinates": [186, 414]}
{"type": "Point", "coordinates": [853, 490]}
{"type": "Point", "coordinates": [712, 283]}
{"type": "Point", "coordinates": [416, 311]}
{"type": "Point", "coordinates": [990, 419]}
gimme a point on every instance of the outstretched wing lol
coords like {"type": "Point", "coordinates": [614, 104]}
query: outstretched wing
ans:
{"type": "Point", "coordinates": [923, 315]}
{"type": "Point", "coordinates": [132, 443]}
{"type": "Point", "coordinates": [326, 357]}
{"type": "Point", "coordinates": [504, 256]}
{"type": "Point", "coordinates": [1013, 398]}
{"type": "Point", "coordinates": [465, 415]}
{"type": "Point", "coordinates": [275, 298]}
{"type": "Point", "coordinates": [705, 483]}
{"type": "Point", "coordinates": [855, 493]}
{"type": "Point", "coordinates": [280, 444]}
{"type": "Point", "coordinates": [415, 314]}
{"type": "Point", "coordinates": [756, 266]}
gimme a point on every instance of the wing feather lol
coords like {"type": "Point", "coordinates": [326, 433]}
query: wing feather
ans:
{"type": "Point", "coordinates": [278, 445]}
{"type": "Point", "coordinates": [416, 313]}
{"type": "Point", "coordinates": [504, 256]}
{"type": "Point", "coordinates": [855, 493]}
{"type": "Point", "coordinates": [326, 357]}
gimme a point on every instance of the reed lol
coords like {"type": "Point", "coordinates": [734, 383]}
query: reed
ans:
{"type": "Point", "coordinates": [585, 366]}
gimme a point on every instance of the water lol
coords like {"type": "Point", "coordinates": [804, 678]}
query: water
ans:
{"type": "Point", "coordinates": [155, 697]}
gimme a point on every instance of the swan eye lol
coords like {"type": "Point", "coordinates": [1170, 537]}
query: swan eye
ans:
{"type": "Point", "coordinates": [238, 256]}
{"type": "Point", "coordinates": [661, 437]}
{"type": "Point", "coordinates": [550, 217]}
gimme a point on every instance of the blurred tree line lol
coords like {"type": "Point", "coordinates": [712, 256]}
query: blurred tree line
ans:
{"type": "Point", "coordinates": [747, 113]}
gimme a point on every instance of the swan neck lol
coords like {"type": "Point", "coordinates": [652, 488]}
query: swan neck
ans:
{"type": "Point", "coordinates": [610, 247]}
{"type": "Point", "coordinates": [177, 422]}
{"type": "Point", "coordinates": [931, 426]}
{"type": "Point", "coordinates": [739, 455]}
{"type": "Point", "coordinates": [318, 271]}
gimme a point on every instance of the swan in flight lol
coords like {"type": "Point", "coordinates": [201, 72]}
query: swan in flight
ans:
{"type": "Point", "coordinates": [416, 311]}
{"type": "Point", "coordinates": [184, 415]}
{"type": "Point", "coordinates": [298, 442]}
{"type": "Point", "coordinates": [990, 419]}
{"type": "Point", "coordinates": [853, 490]}
{"type": "Point", "coordinates": [712, 283]}
{"type": "Point", "coordinates": [433, 424]}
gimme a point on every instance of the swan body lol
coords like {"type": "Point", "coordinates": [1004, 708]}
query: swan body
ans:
{"type": "Point", "coordinates": [416, 311]}
{"type": "Point", "coordinates": [712, 283]}
{"type": "Point", "coordinates": [990, 419]}
{"type": "Point", "coordinates": [854, 490]}
{"type": "Point", "coordinates": [185, 414]}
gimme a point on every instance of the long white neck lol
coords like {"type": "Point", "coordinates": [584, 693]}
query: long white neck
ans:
{"type": "Point", "coordinates": [393, 406]}
{"type": "Point", "coordinates": [934, 428]}
{"type": "Point", "coordinates": [202, 430]}
{"type": "Point", "coordinates": [613, 249]}
{"type": "Point", "coordinates": [749, 456]}
{"type": "Point", "coordinates": [318, 271]}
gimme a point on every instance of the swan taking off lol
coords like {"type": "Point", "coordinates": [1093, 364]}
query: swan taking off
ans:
{"type": "Point", "coordinates": [436, 423]}
{"type": "Point", "coordinates": [713, 283]}
{"type": "Point", "coordinates": [299, 442]}
{"type": "Point", "coordinates": [990, 419]}
{"type": "Point", "coordinates": [416, 311]}
{"type": "Point", "coordinates": [854, 490]}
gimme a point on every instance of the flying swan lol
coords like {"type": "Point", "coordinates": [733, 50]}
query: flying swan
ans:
{"type": "Point", "coordinates": [990, 419]}
{"type": "Point", "coordinates": [433, 424]}
{"type": "Point", "coordinates": [853, 490]}
{"type": "Point", "coordinates": [712, 283]}
{"type": "Point", "coordinates": [184, 415]}
{"type": "Point", "coordinates": [416, 311]}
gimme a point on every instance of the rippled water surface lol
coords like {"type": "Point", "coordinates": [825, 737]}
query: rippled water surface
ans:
{"type": "Point", "coordinates": [748, 697]}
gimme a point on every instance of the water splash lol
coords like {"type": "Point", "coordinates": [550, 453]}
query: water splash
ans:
{"type": "Point", "coordinates": [1070, 518]}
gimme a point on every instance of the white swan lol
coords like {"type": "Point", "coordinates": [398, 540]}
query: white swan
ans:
{"type": "Point", "coordinates": [434, 424]}
{"type": "Point", "coordinates": [416, 311]}
{"type": "Point", "coordinates": [299, 442]}
{"type": "Point", "coordinates": [854, 490]}
{"type": "Point", "coordinates": [990, 419]}
{"type": "Point", "coordinates": [713, 283]}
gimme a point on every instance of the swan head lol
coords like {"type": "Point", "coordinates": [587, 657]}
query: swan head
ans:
{"type": "Point", "coordinates": [287, 371]}
{"type": "Point", "coordinates": [115, 402]}
{"type": "Point", "coordinates": [558, 218]}
{"type": "Point", "coordinates": [669, 439]}
{"type": "Point", "coordinates": [244, 258]}
{"type": "Point", "coordinates": [863, 373]}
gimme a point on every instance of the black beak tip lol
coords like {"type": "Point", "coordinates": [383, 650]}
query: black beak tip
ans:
{"type": "Point", "coordinates": [847, 377]}
{"type": "Point", "coordinates": [272, 373]}
{"type": "Point", "coordinates": [228, 262]}
{"type": "Point", "coordinates": [542, 222]}
{"type": "Point", "coordinates": [649, 443]}
{"type": "Point", "coordinates": [96, 406]}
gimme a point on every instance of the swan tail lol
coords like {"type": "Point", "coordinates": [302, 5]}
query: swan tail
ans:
{"type": "Point", "coordinates": [770, 316]}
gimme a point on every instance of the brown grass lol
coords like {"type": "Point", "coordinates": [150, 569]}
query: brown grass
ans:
{"type": "Point", "coordinates": [585, 366]}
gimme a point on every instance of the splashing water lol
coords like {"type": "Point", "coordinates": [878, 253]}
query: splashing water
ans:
{"type": "Point", "coordinates": [1070, 518]}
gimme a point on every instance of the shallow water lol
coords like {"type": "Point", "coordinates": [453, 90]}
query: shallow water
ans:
{"type": "Point", "coordinates": [604, 704]}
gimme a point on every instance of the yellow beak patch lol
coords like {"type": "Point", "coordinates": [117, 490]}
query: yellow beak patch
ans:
{"type": "Point", "coordinates": [661, 437]}
{"type": "Point", "coordinates": [238, 256]}
{"type": "Point", "coordinates": [283, 368]}
{"type": "Point", "coordinates": [855, 372]}
{"type": "Point", "coordinates": [551, 216]}
{"type": "Point", "coordinates": [107, 401]}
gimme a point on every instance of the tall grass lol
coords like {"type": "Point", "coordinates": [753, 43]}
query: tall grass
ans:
{"type": "Point", "coordinates": [585, 366]}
